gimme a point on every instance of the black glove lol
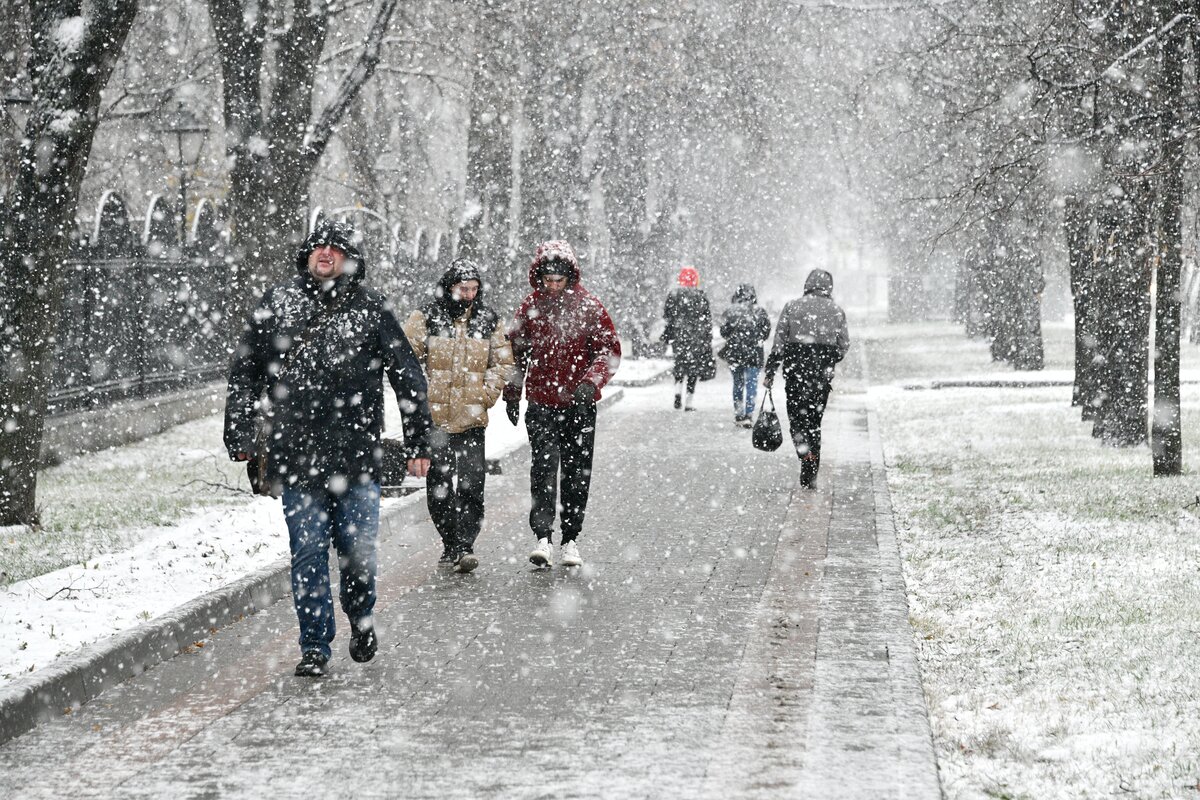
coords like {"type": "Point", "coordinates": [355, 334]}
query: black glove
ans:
{"type": "Point", "coordinates": [513, 409]}
{"type": "Point", "coordinates": [585, 395]}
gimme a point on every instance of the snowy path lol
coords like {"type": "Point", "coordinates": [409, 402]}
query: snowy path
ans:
{"type": "Point", "coordinates": [699, 653]}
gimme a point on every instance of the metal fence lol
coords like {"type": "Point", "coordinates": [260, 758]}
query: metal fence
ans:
{"type": "Point", "coordinates": [142, 312]}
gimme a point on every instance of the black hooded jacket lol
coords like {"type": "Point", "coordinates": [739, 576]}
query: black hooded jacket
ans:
{"type": "Point", "coordinates": [443, 310]}
{"type": "Point", "coordinates": [745, 326]}
{"type": "Point", "coordinates": [324, 407]}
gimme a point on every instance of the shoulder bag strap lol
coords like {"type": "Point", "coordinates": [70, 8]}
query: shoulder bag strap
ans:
{"type": "Point", "coordinates": [767, 396]}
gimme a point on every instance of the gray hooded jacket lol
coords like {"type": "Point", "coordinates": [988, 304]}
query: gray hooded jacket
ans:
{"type": "Point", "coordinates": [810, 324]}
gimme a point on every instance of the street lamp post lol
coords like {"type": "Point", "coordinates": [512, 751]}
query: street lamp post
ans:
{"type": "Point", "coordinates": [189, 134]}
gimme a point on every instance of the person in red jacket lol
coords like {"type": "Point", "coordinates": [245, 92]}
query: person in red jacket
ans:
{"type": "Point", "coordinates": [566, 349]}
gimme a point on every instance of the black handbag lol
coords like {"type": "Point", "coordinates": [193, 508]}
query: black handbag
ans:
{"type": "Point", "coordinates": [395, 461]}
{"type": "Point", "coordinates": [767, 434]}
{"type": "Point", "coordinates": [257, 468]}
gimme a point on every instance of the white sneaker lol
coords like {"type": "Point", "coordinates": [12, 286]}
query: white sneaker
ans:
{"type": "Point", "coordinates": [542, 554]}
{"type": "Point", "coordinates": [570, 555]}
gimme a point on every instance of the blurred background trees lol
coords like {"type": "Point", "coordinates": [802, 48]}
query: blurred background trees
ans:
{"type": "Point", "coordinates": [994, 163]}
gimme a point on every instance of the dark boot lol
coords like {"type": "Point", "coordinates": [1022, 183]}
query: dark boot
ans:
{"type": "Point", "coordinates": [466, 562]}
{"type": "Point", "coordinates": [363, 641]}
{"type": "Point", "coordinates": [312, 665]}
{"type": "Point", "coordinates": [809, 465]}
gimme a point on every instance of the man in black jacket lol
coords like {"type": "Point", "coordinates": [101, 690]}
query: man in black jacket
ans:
{"type": "Point", "coordinates": [810, 338]}
{"type": "Point", "coordinates": [306, 390]}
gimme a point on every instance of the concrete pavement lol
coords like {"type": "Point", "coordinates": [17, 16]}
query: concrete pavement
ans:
{"type": "Point", "coordinates": [729, 635]}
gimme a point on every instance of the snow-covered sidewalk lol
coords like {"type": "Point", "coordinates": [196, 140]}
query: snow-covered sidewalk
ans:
{"type": "Point", "coordinates": [123, 569]}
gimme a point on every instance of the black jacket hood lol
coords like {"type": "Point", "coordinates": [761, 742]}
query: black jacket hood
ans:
{"type": "Point", "coordinates": [461, 269]}
{"type": "Point", "coordinates": [344, 237]}
{"type": "Point", "coordinates": [819, 282]}
{"type": "Point", "coordinates": [745, 294]}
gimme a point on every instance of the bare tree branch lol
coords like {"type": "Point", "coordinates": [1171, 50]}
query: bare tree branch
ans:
{"type": "Point", "coordinates": [351, 84]}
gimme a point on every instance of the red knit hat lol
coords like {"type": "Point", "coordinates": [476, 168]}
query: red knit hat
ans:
{"type": "Point", "coordinates": [689, 277]}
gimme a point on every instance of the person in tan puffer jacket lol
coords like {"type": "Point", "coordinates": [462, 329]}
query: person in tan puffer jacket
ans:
{"type": "Point", "coordinates": [468, 360]}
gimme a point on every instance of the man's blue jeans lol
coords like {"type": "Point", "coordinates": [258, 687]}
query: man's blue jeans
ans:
{"type": "Point", "coordinates": [745, 382]}
{"type": "Point", "coordinates": [315, 517]}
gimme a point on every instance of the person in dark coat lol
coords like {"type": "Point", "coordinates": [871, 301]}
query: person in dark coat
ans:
{"type": "Point", "coordinates": [689, 332]}
{"type": "Point", "coordinates": [306, 391]}
{"type": "Point", "coordinates": [566, 348]}
{"type": "Point", "coordinates": [744, 327]}
{"type": "Point", "coordinates": [810, 338]}
{"type": "Point", "coordinates": [468, 360]}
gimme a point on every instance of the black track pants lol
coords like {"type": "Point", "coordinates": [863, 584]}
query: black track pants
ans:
{"type": "Point", "coordinates": [806, 399]}
{"type": "Point", "coordinates": [561, 441]}
{"type": "Point", "coordinates": [454, 489]}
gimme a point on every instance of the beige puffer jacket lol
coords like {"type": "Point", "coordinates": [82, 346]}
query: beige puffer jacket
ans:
{"type": "Point", "coordinates": [466, 373]}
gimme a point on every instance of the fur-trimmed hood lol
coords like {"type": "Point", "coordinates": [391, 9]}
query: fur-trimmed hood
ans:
{"type": "Point", "coordinates": [559, 252]}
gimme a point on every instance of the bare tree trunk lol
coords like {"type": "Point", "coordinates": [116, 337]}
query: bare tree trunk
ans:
{"type": "Point", "coordinates": [1077, 227]}
{"type": "Point", "coordinates": [1124, 326]}
{"type": "Point", "coordinates": [37, 223]}
{"type": "Point", "coordinates": [554, 192]}
{"type": "Point", "coordinates": [626, 183]}
{"type": "Point", "coordinates": [275, 151]}
{"type": "Point", "coordinates": [1166, 436]}
{"type": "Point", "coordinates": [487, 235]}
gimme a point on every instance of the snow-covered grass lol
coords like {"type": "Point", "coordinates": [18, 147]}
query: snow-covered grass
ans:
{"type": "Point", "coordinates": [107, 501]}
{"type": "Point", "coordinates": [1053, 584]}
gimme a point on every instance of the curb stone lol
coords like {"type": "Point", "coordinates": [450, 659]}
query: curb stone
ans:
{"type": "Point", "coordinates": [73, 680]}
{"type": "Point", "coordinates": [70, 681]}
{"type": "Point", "coordinates": [923, 777]}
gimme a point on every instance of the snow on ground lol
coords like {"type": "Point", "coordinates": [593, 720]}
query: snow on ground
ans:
{"type": "Point", "coordinates": [1052, 585]}
{"type": "Point", "coordinates": [52, 615]}
{"type": "Point", "coordinates": [641, 369]}
{"type": "Point", "coordinates": [133, 532]}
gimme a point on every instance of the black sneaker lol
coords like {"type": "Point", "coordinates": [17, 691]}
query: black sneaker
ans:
{"type": "Point", "coordinates": [363, 642]}
{"type": "Point", "coordinates": [466, 563]}
{"type": "Point", "coordinates": [678, 401]}
{"type": "Point", "coordinates": [446, 559]}
{"type": "Point", "coordinates": [312, 665]}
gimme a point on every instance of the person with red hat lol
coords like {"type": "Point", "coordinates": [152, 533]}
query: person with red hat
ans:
{"type": "Point", "coordinates": [566, 349]}
{"type": "Point", "coordinates": [689, 332]}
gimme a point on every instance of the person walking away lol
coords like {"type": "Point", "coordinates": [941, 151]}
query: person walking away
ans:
{"type": "Point", "coordinates": [566, 349]}
{"type": "Point", "coordinates": [810, 338]}
{"type": "Point", "coordinates": [689, 332]}
{"type": "Point", "coordinates": [468, 360]}
{"type": "Point", "coordinates": [306, 392]}
{"type": "Point", "coordinates": [744, 327]}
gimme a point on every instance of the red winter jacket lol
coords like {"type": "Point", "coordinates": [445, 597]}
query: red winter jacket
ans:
{"type": "Point", "coordinates": [560, 342]}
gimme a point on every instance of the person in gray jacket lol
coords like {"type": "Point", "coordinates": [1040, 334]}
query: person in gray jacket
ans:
{"type": "Point", "coordinates": [810, 338]}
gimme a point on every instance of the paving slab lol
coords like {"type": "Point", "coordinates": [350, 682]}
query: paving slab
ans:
{"type": "Point", "coordinates": [730, 635]}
